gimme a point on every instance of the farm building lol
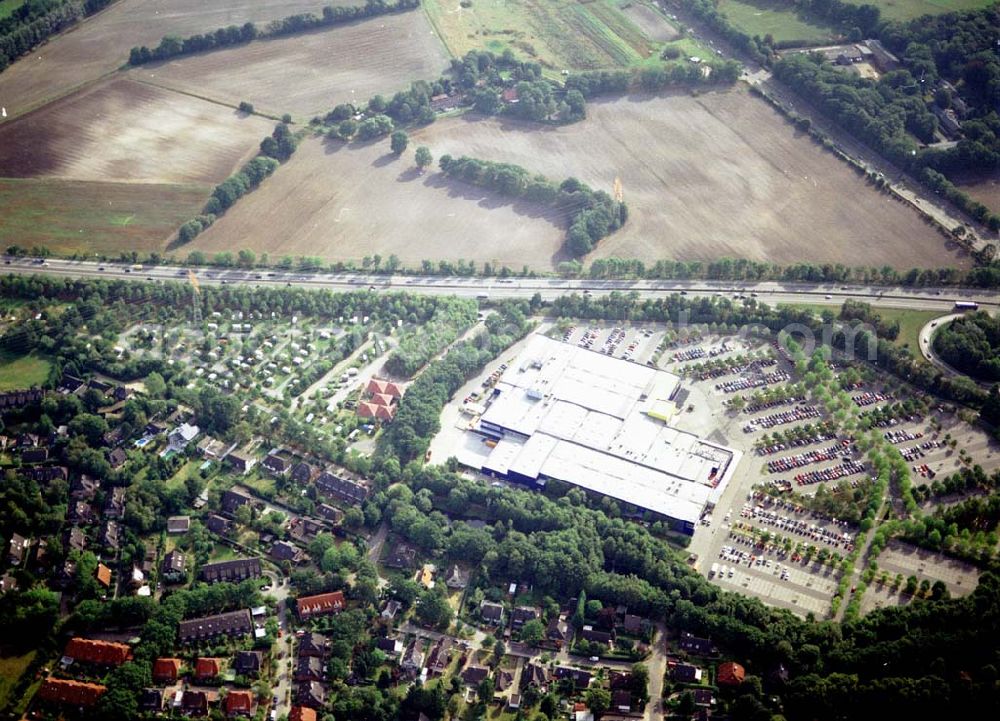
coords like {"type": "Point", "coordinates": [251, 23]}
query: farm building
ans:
{"type": "Point", "coordinates": [566, 413]}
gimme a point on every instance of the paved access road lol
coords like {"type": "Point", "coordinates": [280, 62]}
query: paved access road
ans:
{"type": "Point", "coordinates": [494, 288]}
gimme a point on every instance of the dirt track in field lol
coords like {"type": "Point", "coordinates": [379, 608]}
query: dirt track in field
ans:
{"type": "Point", "coordinates": [126, 131]}
{"type": "Point", "coordinates": [308, 74]}
{"type": "Point", "coordinates": [343, 202]}
{"type": "Point", "coordinates": [721, 175]}
{"type": "Point", "coordinates": [101, 43]}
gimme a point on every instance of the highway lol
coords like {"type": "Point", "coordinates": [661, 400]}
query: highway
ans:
{"type": "Point", "coordinates": [515, 287]}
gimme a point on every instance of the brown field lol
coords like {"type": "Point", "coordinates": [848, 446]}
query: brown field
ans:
{"type": "Point", "coordinates": [721, 175]}
{"type": "Point", "coordinates": [310, 73]}
{"type": "Point", "coordinates": [82, 217]}
{"type": "Point", "coordinates": [131, 132]}
{"type": "Point", "coordinates": [985, 188]}
{"type": "Point", "coordinates": [343, 202]}
{"type": "Point", "coordinates": [102, 43]}
{"type": "Point", "coordinates": [651, 22]}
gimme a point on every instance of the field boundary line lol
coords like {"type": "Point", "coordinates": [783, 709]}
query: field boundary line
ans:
{"type": "Point", "coordinates": [437, 31]}
{"type": "Point", "coordinates": [207, 99]}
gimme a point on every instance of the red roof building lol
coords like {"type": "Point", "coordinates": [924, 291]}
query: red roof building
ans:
{"type": "Point", "coordinates": [367, 410]}
{"type": "Point", "coordinates": [377, 386]}
{"type": "Point", "coordinates": [324, 603]}
{"type": "Point", "coordinates": [729, 674]}
{"type": "Point", "coordinates": [205, 668]}
{"type": "Point", "coordinates": [166, 669]}
{"type": "Point", "coordinates": [72, 693]}
{"type": "Point", "coordinates": [302, 713]}
{"type": "Point", "coordinates": [382, 399]}
{"type": "Point", "coordinates": [239, 703]}
{"type": "Point", "coordinates": [103, 575]}
{"type": "Point", "coordinates": [101, 653]}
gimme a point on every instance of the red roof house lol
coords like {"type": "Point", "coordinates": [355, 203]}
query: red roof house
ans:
{"type": "Point", "coordinates": [239, 703]}
{"type": "Point", "coordinates": [103, 575]}
{"type": "Point", "coordinates": [367, 410]}
{"type": "Point", "coordinates": [72, 693]}
{"type": "Point", "coordinates": [729, 674]}
{"type": "Point", "coordinates": [205, 668]}
{"type": "Point", "coordinates": [166, 669]}
{"type": "Point", "coordinates": [324, 603]}
{"type": "Point", "coordinates": [101, 653]}
{"type": "Point", "coordinates": [302, 713]}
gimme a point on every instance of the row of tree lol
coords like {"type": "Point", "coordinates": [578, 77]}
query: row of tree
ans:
{"type": "Point", "coordinates": [593, 214]}
{"type": "Point", "coordinates": [172, 46]}
{"type": "Point", "coordinates": [35, 21]}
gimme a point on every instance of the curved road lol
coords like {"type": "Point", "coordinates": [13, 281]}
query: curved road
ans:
{"type": "Point", "coordinates": [927, 349]}
{"type": "Point", "coordinates": [515, 287]}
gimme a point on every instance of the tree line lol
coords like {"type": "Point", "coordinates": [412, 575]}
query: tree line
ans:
{"type": "Point", "coordinates": [173, 46]}
{"type": "Point", "coordinates": [593, 214]}
{"type": "Point", "coordinates": [274, 150]}
{"type": "Point", "coordinates": [35, 21]}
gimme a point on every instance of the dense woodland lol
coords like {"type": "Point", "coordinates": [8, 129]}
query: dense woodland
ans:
{"type": "Point", "coordinates": [972, 345]}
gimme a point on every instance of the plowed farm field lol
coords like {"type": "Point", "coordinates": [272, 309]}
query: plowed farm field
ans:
{"type": "Point", "coordinates": [308, 74]}
{"type": "Point", "coordinates": [101, 43]}
{"type": "Point", "coordinates": [130, 132]}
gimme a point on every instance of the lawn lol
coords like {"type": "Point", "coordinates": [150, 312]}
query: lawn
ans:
{"type": "Point", "coordinates": [89, 217]}
{"type": "Point", "coordinates": [910, 323]}
{"type": "Point", "coordinates": [559, 34]}
{"type": "Point", "coordinates": [11, 670]}
{"type": "Point", "coordinates": [909, 9]}
{"type": "Point", "coordinates": [18, 372]}
{"type": "Point", "coordinates": [184, 472]}
{"type": "Point", "coordinates": [761, 17]}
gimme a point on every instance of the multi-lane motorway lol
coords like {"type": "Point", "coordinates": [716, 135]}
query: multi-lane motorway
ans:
{"type": "Point", "coordinates": [942, 299]}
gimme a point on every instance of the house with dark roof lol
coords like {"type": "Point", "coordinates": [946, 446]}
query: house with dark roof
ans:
{"type": "Point", "coordinates": [474, 675]}
{"type": "Point", "coordinates": [234, 571]}
{"type": "Point", "coordinates": [239, 703]}
{"type": "Point", "coordinates": [621, 701]}
{"type": "Point", "coordinates": [97, 653]}
{"type": "Point", "coordinates": [305, 530]}
{"type": "Point", "coordinates": [241, 461]}
{"type": "Point", "coordinates": [557, 632]}
{"type": "Point", "coordinates": [580, 678]}
{"type": "Point", "coordinates": [117, 457]}
{"type": "Point", "coordinates": [594, 635]}
{"type": "Point", "coordinates": [703, 697]}
{"type": "Point", "coordinates": [401, 557]}
{"type": "Point", "coordinates": [320, 605]}
{"type": "Point", "coordinates": [166, 670]}
{"type": "Point", "coordinates": [311, 694]}
{"type": "Point", "coordinates": [491, 613]}
{"type": "Point", "coordinates": [331, 513]}
{"type": "Point", "coordinates": [196, 703]}
{"type": "Point", "coordinates": [178, 524]}
{"type": "Point", "coordinates": [35, 455]}
{"type": "Point", "coordinates": [308, 668]}
{"type": "Point", "coordinates": [114, 504]}
{"type": "Point", "coordinates": [234, 623]}
{"type": "Point", "coordinates": [109, 537]}
{"type": "Point", "coordinates": [233, 499]}
{"type": "Point", "coordinates": [45, 474]}
{"type": "Point", "coordinates": [389, 646]}
{"type": "Point", "coordinates": [440, 656]}
{"type": "Point", "coordinates": [76, 539]}
{"type": "Point", "coordinates": [282, 551]}
{"type": "Point", "coordinates": [504, 679]}
{"type": "Point", "coordinates": [174, 567]}
{"type": "Point", "coordinates": [632, 624]}
{"type": "Point", "coordinates": [84, 488]}
{"type": "Point", "coordinates": [218, 525]}
{"type": "Point", "coordinates": [686, 673]}
{"type": "Point", "coordinates": [18, 549]}
{"type": "Point", "coordinates": [70, 693]}
{"type": "Point", "coordinates": [520, 616]}
{"type": "Point", "coordinates": [314, 644]}
{"type": "Point", "coordinates": [341, 488]}
{"type": "Point", "coordinates": [698, 646]}
{"type": "Point", "coordinates": [248, 663]}
{"type": "Point", "coordinates": [151, 700]}
{"type": "Point", "coordinates": [534, 674]}
{"type": "Point", "coordinates": [302, 472]}
{"type": "Point", "coordinates": [276, 464]}
{"type": "Point", "coordinates": [81, 512]}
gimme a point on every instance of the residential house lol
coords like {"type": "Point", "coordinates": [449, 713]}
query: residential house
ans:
{"type": "Point", "coordinates": [520, 616]}
{"type": "Point", "coordinates": [239, 703]}
{"type": "Point", "coordinates": [475, 675]}
{"type": "Point", "coordinates": [390, 646]}
{"type": "Point", "coordinates": [320, 605]}
{"type": "Point", "coordinates": [97, 653]}
{"type": "Point", "coordinates": [401, 557]}
{"type": "Point", "coordinates": [311, 694]}
{"type": "Point", "coordinates": [392, 607]}
{"type": "Point", "coordinates": [114, 504]}
{"type": "Point", "coordinates": [234, 623]}
{"type": "Point", "coordinates": [594, 635]}
{"type": "Point", "coordinates": [181, 436]}
{"type": "Point", "coordinates": [504, 679]}
{"type": "Point", "coordinates": [557, 632]}
{"type": "Point", "coordinates": [305, 530]}
{"type": "Point", "coordinates": [248, 663]}
{"type": "Point", "coordinates": [19, 399]}
{"type": "Point", "coordinates": [35, 455]}
{"type": "Point", "coordinates": [174, 567]}
{"type": "Point", "coordinates": [621, 701]}
{"type": "Point", "coordinates": [729, 674]}
{"type": "Point", "coordinates": [341, 488]}
{"type": "Point", "coordinates": [166, 670]}
{"type": "Point", "coordinates": [282, 551]}
{"type": "Point", "coordinates": [18, 551]}
{"type": "Point", "coordinates": [109, 537]}
{"type": "Point", "coordinates": [413, 659]}
{"type": "Point", "coordinates": [84, 488]}
{"type": "Point", "coordinates": [70, 693]}
{"type": "Point", "coordinates": [276, 464]}
{"type": "Point", "coordinates": [314, 644]}
{"type": "Point", "coordinates": [117, 457]}
{"type": "Point", "coordinates": [76, 540]}
{"type": "Point", "coordinates": [103, 575]}
{"type": "Point", "coordinates": [536, 675]}
{"type": "Point", "coordinates": [491, 613]}
{"type": "Point", "coordinates": [234, 571]}
{"type": "Point", "coordinates": [196, 703]}
{"type": "Point", "coordinates": [302, 472]}
{"type": "Point", "coordinates": [440, 656]}
{"type": "Point", "coordinates": [581, 679]}
{"type": "Point", "coordinates": [151, 700]}
{"type": "Point", "coordinates": [45, 474]}
{"type": "Point", "coordinates": [233, 499]}
{"type": "Point", "coordinates": [7, 583]}
{"type": "Point", "coordinates": [425, 576]}
{"type": "Point", "coordinates": [206, 669]}
{"type": "Point", "coordinates": [178, 524]}
{"type": "Point", "coordinates": [218, 525]}
{"type": "Point", "coordinates": [302, 713]}
{"type": "Point", "coordinates": [241, 461]}
{"type": "Point", "coordinates": [686, 673]}
{"type": "Point", "coordinates": [703, 697]}
{"type": "Point", "coordinates": [81, 512]}
{"type": "Point", "coordinates": [458, 578]}
{"type": "Point", "coordinates": [695, 645]}
{"type": "Point", "coordinates": [308, 668]}
{"type": "Point", "coordinates": [331, 513]}
{"type": "Point", "coordinates": [211, 449]}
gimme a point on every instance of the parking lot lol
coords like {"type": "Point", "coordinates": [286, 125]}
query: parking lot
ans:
{"type": "Point", "coordinates": [960, 578]}
{"type": "Point", "coordinates": [632, 343]}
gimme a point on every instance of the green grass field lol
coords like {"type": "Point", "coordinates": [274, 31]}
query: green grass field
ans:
{"type": "Point", "coordinates": [761, 17]}
{"type": "Point", "coordinates": [910, 322]}
{"type": "Point", "coordinates": [11, 670]}
{"type": "Point", "coordinates": [909, 9]}
{"type": "Point", "coordinates": [83, 217]}
{"type": "Point", "coordinates": [9, 6]}
{"type": "Point", "coordinates": [17, 372]}
{"type": "Point", "coordinates": [559, 34]}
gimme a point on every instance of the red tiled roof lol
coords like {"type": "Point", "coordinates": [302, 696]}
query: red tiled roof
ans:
{"type": "Point", "coordinates": [103, 574]}
{"type": "Point", "coordinates": [75, 693]}
{"type": "Point", "coordinates": [375, 386]}
{"type": "Point", "coordinates": [323, 603]}
{"type": "Point", "coordinates": [730, 674]}
{"type": "Point", "coordinates": [302, 713]}
{"type": "Point", "coordinates": [382, 399]}
{"type": "Point", "coordinates": [206, 667]}
{"type": "Point", "coordinates": [239, 702]}
{"type": "Point", "coordinates": [367, 410]}
{"type": "Point", "coordinates": [104, 653]}
{"type": "Point", "coordinates": [166, 668]}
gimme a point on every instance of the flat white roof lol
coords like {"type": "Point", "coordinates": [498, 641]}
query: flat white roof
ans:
{"type": "Point", "coordinates": [582, 417]}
